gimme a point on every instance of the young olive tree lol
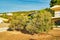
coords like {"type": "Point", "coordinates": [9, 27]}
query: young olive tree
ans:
{"type": "Point", "coordinates": [32, 22]}
{"type": "Point", "coordinates": [41, 22]}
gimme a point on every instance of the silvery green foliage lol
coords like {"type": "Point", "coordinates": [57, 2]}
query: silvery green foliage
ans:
{"type": "Point", "coordinates": [32, 22]}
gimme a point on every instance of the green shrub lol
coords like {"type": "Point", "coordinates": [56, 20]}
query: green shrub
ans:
{"type": "Point", "coordinates": [32, 22]}
{"type": "Point", "coordinates": [41, 22]}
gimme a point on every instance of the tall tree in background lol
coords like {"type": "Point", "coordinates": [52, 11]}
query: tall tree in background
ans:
{"type": "Point", "coordinates": [54, 2]}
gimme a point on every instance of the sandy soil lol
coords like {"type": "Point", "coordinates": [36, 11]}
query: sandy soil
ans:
{"type": "Point", "coordinates": [15, 35]}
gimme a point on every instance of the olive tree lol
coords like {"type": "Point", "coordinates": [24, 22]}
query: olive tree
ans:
{"type": "Point", "coordinates": [32, 22]}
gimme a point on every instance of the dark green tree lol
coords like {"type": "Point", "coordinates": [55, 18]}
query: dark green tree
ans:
{"type": "Point", "coordinates": [54, 2]}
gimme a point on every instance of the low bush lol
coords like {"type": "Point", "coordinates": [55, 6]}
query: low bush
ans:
{"type": "Point", "coordinates": [32, 22]}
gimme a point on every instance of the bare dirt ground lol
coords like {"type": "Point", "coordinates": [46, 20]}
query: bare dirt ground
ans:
{"type": "Point", "coordinates": [56, 33]}
{"type": "Point", "coordinates": [15, 35]}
